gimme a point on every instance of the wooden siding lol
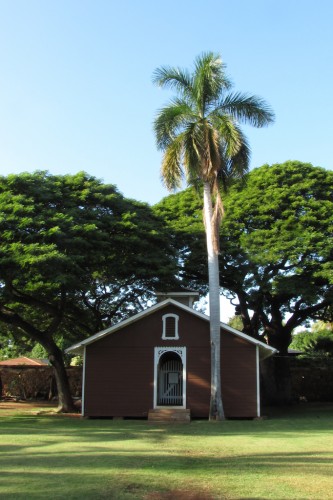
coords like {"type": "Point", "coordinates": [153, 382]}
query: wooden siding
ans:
{"type": "Point", "coordinates": [119, 379]}
{"type": "Point", "coordinates": [119, 382]}
{"type": "Point", "coordinates": [238, 377]}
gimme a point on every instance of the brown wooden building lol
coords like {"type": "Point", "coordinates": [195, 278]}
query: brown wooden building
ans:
{"type": "Point", "coordinates": [160, 358]}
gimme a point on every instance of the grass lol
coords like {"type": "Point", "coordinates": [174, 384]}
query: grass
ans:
{"type": "Point", "coordinates": [288, 456]}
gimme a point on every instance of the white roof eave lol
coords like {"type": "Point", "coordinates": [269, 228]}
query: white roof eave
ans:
{"type": "Point", "coordinates": [265, 350]}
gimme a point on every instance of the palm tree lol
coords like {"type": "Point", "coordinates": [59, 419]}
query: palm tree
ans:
{"type": "Point", "coordinates": [199, 133]}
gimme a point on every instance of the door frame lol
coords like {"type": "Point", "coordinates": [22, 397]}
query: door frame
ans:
{"type": "Point", "coordinates": [158, 353]}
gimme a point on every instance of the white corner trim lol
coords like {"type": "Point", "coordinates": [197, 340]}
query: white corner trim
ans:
{"type": "Point", "coordinates": [164, 320]}
{"type": "Point", "coordinates": [258, 380]}
{"type": "Point", "coordinates": [83, 381]}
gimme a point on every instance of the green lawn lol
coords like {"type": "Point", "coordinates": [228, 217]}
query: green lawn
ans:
{"type": "Point", "coordinates": [289, 455]}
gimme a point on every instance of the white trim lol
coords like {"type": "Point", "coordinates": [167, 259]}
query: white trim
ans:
{"type": "Point", "coordinates": [158, 352]}
{"type": "Point", "coordinates": [258, 381]}
{"type": "Point", "coordinates": [155, 377]}
{"type": "Point", "coordinates": [164, 319]}
{"type": "Point", "coordinates": [265, 350]}
{"type": "Point", "coordinates": [83, 382]}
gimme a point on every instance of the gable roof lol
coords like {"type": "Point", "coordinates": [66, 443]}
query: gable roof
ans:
{"type": "Point", "coordinates": [23, 360]}
{"type": "Point", "coordinates": [264, 349]}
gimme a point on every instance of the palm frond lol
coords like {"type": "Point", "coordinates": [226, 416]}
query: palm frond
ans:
{"type": "Point", "coordinates": [245, 108]}
{"type": "Point", "coordinates": [209, 80]}
{"type": "Point", "coordinates": [234, 167]}
{"type": "Point", "coordinates": [173, 78]}
{"type": "Point", "coordinates": [192, 141]}
{"type": "Point", "coordinates": [170, 121]}
{"type": "Point", "coordinates": [171, 169]}
{"type": "Point", "coordinates": [239, 163]}
{"type": "Point", "coordinates": [229, 133]}
{"type": "Point", "coordinates": [212, 154]}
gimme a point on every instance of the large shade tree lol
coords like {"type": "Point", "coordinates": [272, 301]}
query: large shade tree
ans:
{"type": "Point", "coordinates": [200, 135]}
{"type": "Point", "coordinates": [75, 257]}
{"type": "Point", "coordinates": [278, 258]}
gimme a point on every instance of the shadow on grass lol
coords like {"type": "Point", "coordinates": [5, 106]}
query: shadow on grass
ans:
{"type": "Point", "coordinates": [310, 418]}
{"type": "Point", "coordinates": [72, 458]}
{"type": "Point", "coordinates": [120, 475]}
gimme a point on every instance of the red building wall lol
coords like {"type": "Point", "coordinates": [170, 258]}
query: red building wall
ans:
{"type": "Point", "coordinates": [119, 373]}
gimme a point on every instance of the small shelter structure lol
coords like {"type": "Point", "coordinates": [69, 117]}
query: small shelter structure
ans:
{"type": "Point", "coordinates": [158, 361]}
{"type": "Point", "coordinates": [24, 361]}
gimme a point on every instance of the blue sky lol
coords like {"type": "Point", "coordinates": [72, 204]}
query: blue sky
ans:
{"type": "Point", "coordinates": [76, 90]}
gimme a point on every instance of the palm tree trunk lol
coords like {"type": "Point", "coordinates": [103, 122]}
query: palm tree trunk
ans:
{"type": "Point", "coordinates": [216, 411]}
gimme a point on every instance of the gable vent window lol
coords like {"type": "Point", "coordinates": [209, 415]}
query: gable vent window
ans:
{"type": "Point", "coordinates": [170, 326]}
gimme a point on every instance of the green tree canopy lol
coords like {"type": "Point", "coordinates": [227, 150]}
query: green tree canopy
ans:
{"type": "Point", "coordinates": [182, 215]}
{"type": "Point", "coordinates": [318, 341]}
{"type": "Point", "coordinates": [75, 256]}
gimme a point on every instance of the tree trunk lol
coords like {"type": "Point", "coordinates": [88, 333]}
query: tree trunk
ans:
{"type": "Point", "coordinates": [216, 411]}
{"type": "Point", "coordinates": [279, 336]}
{"type": "Point", "coordinates": [53, 352]}
{"type": "Point", "coordinates": [276, 381]}
{"type": "Point", "coordinates": [65, 399]}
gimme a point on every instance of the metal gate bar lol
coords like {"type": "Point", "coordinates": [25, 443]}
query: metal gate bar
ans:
{"type": "Point", "coordinates": [170, 384]}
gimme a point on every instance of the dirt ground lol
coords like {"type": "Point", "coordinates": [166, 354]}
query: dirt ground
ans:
{"type": "Point", "coordinates": [9, 407]}
{"type": "Point", "coordinates": [25, 405]}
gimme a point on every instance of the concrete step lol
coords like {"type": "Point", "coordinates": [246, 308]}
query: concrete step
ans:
{"type": "Point", "coordinates": [169, 415]}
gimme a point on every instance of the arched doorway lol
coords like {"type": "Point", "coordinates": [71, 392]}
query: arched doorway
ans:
{"type": "Point", "coordinates": [170, 377]}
